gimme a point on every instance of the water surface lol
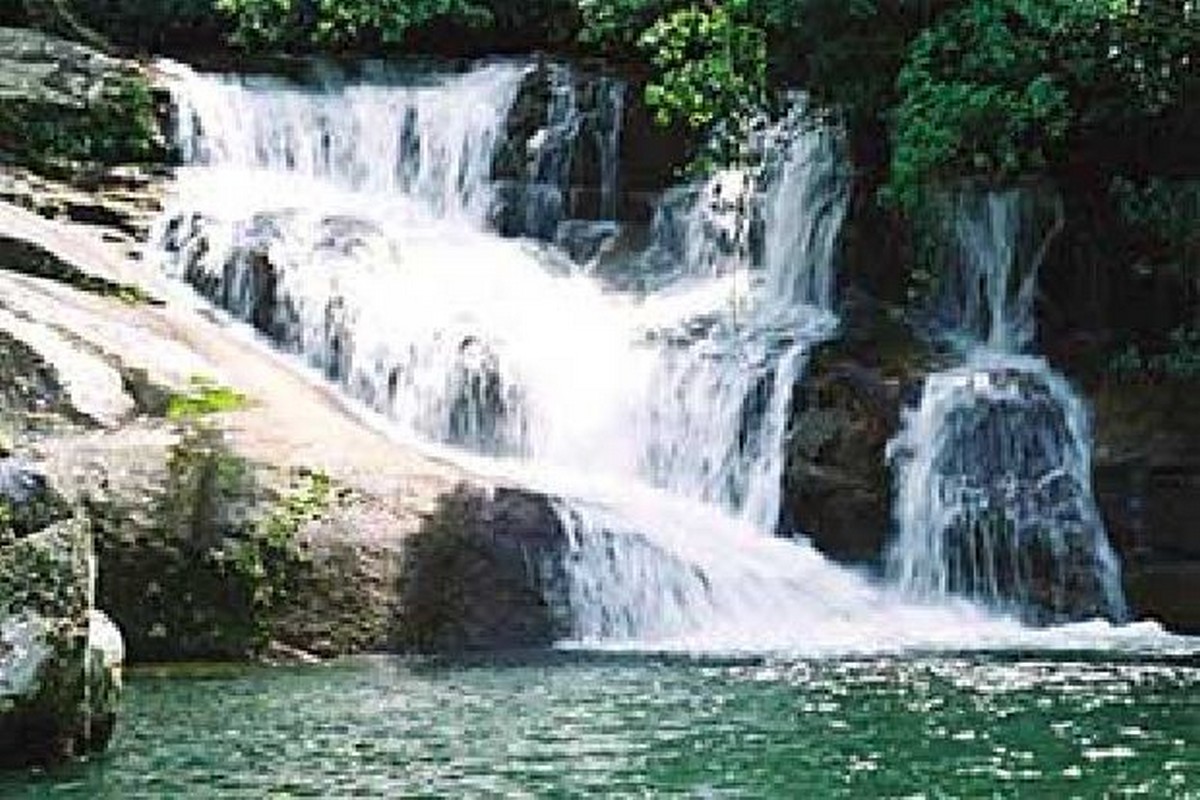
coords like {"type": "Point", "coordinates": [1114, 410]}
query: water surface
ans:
{"type": "Point", "coordinates": [578, 724]}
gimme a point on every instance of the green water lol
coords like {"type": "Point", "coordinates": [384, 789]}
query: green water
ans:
{"type": "Point", "coordinates": [577, 725]}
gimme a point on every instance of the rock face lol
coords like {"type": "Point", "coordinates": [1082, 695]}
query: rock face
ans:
{"type": "Point", "coordinates": [1147, 478]}
{"type": "Point", "coordinates": [1146, 474]}
{"type": "Point", "coordinates": [63, 104]}
{"type": "Point", "coordinates": [485, 573]}
{"type": "Point", "coordinates": [837, 487]}
{"type": "Point", "coordinates": [60, 658]}
{"type": "Point", "coordinates": [579, 148]}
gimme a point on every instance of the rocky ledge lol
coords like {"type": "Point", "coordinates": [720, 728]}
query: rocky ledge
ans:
{"type": "Point", "coordinates": [1146, 475]}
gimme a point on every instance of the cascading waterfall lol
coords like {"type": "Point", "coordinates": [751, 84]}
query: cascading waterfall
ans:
{"type": "Point", "coordinates": [994, 495]}
{"type": "Point", "coordinates": [349, 223]}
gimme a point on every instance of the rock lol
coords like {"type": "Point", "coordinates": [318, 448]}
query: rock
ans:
{"type": "Point", "coordinates": [837, 487]}
{"type": "Point", "coordinates": [60, 658]}
{"type": "Point", "coordinates": [579, 144]}
{"type": "Point", "coordinates": [586, 240]}
{"type": "Point", "coordinates": [1147, 481]}
{"type": "Point", "coordinates": [27, 501]}
{"type": "Point", "coordinates": [122, 201]}
{"type": "Point", "coordinates": [64, 105]}
{"type": "Point", "coordinates": [485, 573]}
{"type": "Point", "coordinates": [32, 397]}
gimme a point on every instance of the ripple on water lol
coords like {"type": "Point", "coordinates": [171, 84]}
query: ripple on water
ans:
{"type": "Point", "coordinates": [631, 727]}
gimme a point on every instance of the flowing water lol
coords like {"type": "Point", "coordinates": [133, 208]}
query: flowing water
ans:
{"type": "Point", "coordinates": [994, 495]}
{"type": "Point", "coordinates": [354, 223]}
{"type": "Point", "coordinates": [950, 726]}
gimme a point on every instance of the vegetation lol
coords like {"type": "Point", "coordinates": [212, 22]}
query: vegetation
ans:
{"type": "Point", "coordinates": [204, 397]}
{"type": "Point", "coordinates": [201, 569]}
{"type": "Point", "coordinates": [1099, 97]}
{"type": "Point", "coordinates": [115, 124]}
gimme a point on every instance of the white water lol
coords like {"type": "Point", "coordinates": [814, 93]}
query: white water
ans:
{"type": "Point", "coordinates": [349, 223]}
{"type": "Point", "coordinates": [994, 495]}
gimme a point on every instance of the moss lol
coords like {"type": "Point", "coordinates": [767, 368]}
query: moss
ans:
{"type": "Point", "coordinates": [201, 568]}
{"type": "Point", "coordinates": [115, 125]}
{"type": "Point", "coordinates": [204, 397]}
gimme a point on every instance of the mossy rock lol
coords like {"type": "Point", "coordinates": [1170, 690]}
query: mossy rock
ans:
{"type": "Point", "coordinates": [64, 106]}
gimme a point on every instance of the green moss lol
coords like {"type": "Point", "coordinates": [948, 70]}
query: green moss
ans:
{"type": "Point", "coordinates": [202, 398]}
{"type": "Point", "coordinates": [202, 567]}
{"type": "Point", "coordinates": [115, 125]}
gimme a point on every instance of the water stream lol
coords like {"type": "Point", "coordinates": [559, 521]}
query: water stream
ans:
{"type": "Point", "coordinates": [994, 464]}
{"type": "Point", "coordinates": [353, 223]}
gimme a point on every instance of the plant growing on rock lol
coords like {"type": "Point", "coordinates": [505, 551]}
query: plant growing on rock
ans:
{"type": "Point", "coordinates": [197, 569]}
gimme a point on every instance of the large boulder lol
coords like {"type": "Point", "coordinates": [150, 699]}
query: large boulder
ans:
{"type": "Point", "coordinates": [846, 408]}
{"type": "Point", "coordinates": [60, 658]}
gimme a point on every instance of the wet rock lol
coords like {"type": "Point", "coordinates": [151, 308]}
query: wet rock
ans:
{"type": "Point", "coordinates": [573, 150]}
{"type": "Point", "coordinates": [60, 658]}
{"type": "Point", "coordinates": [585, 240]}
{"type": "Point", "coordinates": [123, 200]}
{"type": "Point", "coordinates": [485, 573]}
{"type": "Point", "coordinates": [837, 487]}
{"type": "Point", "coordinates": [31, 395]}
{"type": "Point", "coordinates": [27, 501]}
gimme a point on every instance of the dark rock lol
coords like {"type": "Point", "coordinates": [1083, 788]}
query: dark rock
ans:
{"type": "Point", "coordinates": [837, 487]}
{"type": "Point", "coordinates": [31, 394]}
{"type": "Point", "coordinates": [27, 501]}
{"type": "Point", "coordinates": [579, 143]}
{"type": "Point", "coordinates": [485, 573]}
{"type": "Point", "coordinates": [585, 240]}
{"type": "Point", "coordinates": [1147, 480]}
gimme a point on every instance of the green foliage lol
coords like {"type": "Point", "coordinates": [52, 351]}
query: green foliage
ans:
{"type": "Point", "coordinates": [341, 23]}
{"type": "Point", "coordinates": [711, 66]}
{"type": "Point", "coordinates": [1003, 88]}
{"type": "Point", "coordinates": [1162, 215]}
{"type": "Point", "coordinates": [1179, 360]}
{"type": "Point", "coordinates": [270, 558]}
{"type": "Point", "coordinates": [200, 569]}
{"type": "Point", "coordinates": [616, 25]}
{"type": "Point", "coordinates": [982, 93]}
{"type": "Point", "coordinates": [204, 397]}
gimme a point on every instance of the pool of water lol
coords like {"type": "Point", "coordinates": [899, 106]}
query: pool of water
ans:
{"type": "Point", "coordinates": [575, 724]}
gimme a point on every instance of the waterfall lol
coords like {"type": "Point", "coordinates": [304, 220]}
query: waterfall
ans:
{"type": "Point", "coordinates": [354, 223]}
{"type": "Point", "coordinates": [994, 497]}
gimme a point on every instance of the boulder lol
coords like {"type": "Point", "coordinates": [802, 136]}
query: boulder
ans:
{"type": "Point", "coordinates": [846, 408]}
{"type": "Point", "coordinates": [60, 658]}
{"type": "Point", "coordinates": [485, 572]}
